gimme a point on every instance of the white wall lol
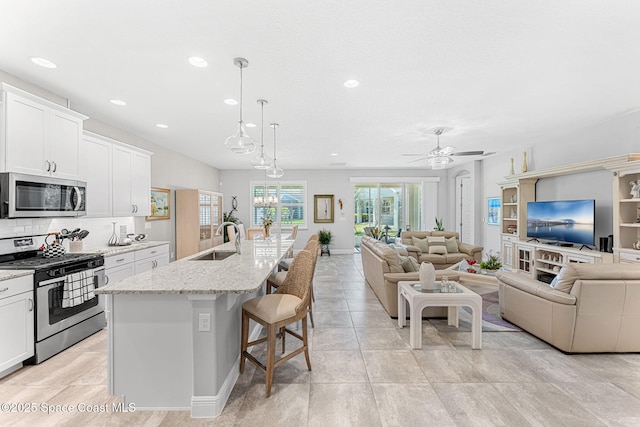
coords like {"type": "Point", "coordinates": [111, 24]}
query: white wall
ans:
{"type": "Point", "coordinates": [336, 182]}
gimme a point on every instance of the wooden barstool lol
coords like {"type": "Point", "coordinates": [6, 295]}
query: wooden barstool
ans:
{"type": "Point", "coordinates": [275, 280]}
{"type": "Point", "coordinates": [274, 312]}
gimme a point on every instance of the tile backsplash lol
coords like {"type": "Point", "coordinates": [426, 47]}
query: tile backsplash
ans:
{"type": "Point", "coordinates": [100, 229]}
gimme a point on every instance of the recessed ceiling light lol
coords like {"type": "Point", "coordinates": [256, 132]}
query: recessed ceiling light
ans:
{"type": "Point", "coordinates": [250, 125]}
{"type": "Point", "coordinates": [162, 125]}
{"type": "Point", "coordinates": [117, 102]}
{"type": "Point", "coordinates": [334, 154]}
{"type": "Point", "coordinates": [196, 61]}
{"type": "Point", "coordinates": [351, 83]}
{"type": "Point", "coordinates": [43, 62]}
{"type": "Point", "coordinates": [230, 101]}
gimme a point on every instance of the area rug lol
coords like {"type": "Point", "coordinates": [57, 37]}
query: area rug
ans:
{"type": "Point", "coordinates": [491, 320]}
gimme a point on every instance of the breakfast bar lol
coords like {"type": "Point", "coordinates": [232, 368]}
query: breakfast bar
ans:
{"type": "Point", "coordinates": [174, 332]}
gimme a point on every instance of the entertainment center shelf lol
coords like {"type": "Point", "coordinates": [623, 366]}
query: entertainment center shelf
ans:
{"type": "Point", "coordinates": [543, 261]}
{"type": "Point", "coordinates": [538, 259]}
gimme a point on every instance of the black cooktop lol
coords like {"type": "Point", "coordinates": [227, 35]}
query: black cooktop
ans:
{"type": "Point", "coordinates": [34, 260]}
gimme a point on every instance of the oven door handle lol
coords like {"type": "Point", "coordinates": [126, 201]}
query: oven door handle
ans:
{"type": "Point", "coordinates": [61, 279]}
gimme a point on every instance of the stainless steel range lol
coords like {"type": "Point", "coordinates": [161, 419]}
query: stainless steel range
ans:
{"type": "Point", "coordinates": [57, 325]}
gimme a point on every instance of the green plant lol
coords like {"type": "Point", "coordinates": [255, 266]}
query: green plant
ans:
{"type": "Point", "coordinates": [229, 217]}
{"type": "Point", "coordinates": [492, 262]}
{"type": "Point", "coordinates": [439, 226]}
{"type": "Point", "coordinates": [325, 236]}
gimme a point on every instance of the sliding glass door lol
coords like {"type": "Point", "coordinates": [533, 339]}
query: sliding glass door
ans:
{"type": "Point", "coordinates": [389, 207]}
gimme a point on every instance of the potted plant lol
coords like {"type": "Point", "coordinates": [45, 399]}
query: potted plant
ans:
{"type": "Point", "coordinates": [439, 226]}
{"type": "Point", "coordinates": [491, 264]}
{"type": "Point", "coordinates": [324, 238]}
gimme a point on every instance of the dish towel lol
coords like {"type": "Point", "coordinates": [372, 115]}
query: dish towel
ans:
{"type": "Point", "coordinates": [78, 288]}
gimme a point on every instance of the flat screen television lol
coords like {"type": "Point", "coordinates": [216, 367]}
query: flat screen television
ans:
{"type": "Point", "coordinates": [562, 221]}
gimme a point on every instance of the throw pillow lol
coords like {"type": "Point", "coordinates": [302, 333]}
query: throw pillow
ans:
{"type": "Point", "coordinates": [437, 241]}
{"type": "Point", "coordinates": [409, 264]}
{"type": "Point", "coordinates": [554, 282]}
{"type": "Point", "coordinates": [422, 244]}
{"type": "Point", "coordinates": [566, 277]}
{"type": "Point", "coordinates": [399, 249]}
{"type": "Point", "coordinates": [452, 245]}
{"type": "Point", "coordinates": [436, 249]}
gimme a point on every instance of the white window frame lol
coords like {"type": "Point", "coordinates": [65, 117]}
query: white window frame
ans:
{"type": "Point", "coordinates": [279, 185]}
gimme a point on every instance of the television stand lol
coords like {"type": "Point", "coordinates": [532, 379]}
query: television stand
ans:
{"type": "Point", "coordinates": [542, 261]}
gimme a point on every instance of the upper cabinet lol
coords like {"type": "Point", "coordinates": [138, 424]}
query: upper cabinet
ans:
{"type": "Point", "coordinates": [118, 177]}
{"type": "Point", "coordinates": [38, 137]}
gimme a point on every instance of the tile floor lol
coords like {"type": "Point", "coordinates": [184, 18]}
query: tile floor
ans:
{"type": "Point", "coordinates": [365, 374]}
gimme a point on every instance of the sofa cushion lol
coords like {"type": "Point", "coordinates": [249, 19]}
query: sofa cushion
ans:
{"type": "Point", "coordinates": [452, 245]}
{"type": "Point", "coordinates": [422, 244]}
{"type": "Point", "coordinates": [409, 264]}
{"type": "Point", "coordinates": [437, 249]}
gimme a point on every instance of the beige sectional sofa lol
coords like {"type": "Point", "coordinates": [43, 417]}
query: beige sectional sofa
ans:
{"type": "Point", "coordinates": [593, 307]}
{"type": "Point", "coordinates": [383, 271]}
{"type": "Point", "coordinates": [440, 261]}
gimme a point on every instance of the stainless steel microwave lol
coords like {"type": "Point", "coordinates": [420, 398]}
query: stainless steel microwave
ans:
{"type": "Point", "coordinates": [32, 196]}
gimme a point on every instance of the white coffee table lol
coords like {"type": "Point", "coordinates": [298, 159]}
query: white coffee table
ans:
{"type": "Point", "coordinates": [418, 301]}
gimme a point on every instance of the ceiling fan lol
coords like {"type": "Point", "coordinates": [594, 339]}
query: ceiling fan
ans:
{"type": "Point", "coordinates": [439, 157]}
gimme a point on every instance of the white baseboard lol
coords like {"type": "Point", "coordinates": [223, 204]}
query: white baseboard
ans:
{"type": "Point", "coordinates": [212, 406]}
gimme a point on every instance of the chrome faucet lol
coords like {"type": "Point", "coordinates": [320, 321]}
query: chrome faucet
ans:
{"type": "Point", "coordinates": [224, 224]}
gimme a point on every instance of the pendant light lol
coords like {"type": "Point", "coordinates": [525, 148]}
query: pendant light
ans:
{"type": "Point", "coordinates": [261, 161]}
{"type": "Point", "coordinates": [240, 142]}
{"type": "Point", "coordinates": [274, 171]}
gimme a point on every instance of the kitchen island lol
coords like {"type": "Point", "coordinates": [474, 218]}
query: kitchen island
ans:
{"type": "Point", "coordinates": [174, 332]}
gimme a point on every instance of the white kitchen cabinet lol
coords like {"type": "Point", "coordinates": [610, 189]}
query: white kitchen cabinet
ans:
{"type": "Point", "coordinates": [141, 183]}
{"type": "Point", "coordinates": [39, 137]}
{"type": "Point", "coordinates": [95, 169]}
{"type": "Point", "coordinates": [148, 259]}
{"type": "Point", "coordinates": [119, 267]}
{"type": "Point", "coordinates": [118, 174]}
{"type": "Point", "coordinates": [16, 322]}
{"type": "Point", "coordinates": [131, 182]}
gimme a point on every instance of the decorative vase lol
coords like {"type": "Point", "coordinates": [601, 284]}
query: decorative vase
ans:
{"type": "Point", "coordinates": [524, 161]}
{"type": "Point", "coordinates": [512, 171]}
{"type": "Point", "coordinates": [266, 231]}
{"type": "Point", "coordinates": [427, 274]}
{"type": "Point", "coordinates": [114, 240]}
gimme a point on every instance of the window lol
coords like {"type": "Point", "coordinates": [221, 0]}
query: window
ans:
{"type": "Point", "coordinates": [291, 209]}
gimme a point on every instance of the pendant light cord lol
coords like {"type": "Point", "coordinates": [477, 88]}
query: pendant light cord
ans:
{"type": "Point", "coordinates": [241, 67]}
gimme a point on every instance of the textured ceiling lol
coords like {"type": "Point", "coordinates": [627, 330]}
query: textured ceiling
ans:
{"type": "Point", "coordinates": [503, 74]}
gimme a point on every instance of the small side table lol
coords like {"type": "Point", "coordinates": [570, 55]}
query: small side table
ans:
{"type": "Point", "coordinates": [324, 249]}
{"type": "Point", "coordinates": [418, 301]}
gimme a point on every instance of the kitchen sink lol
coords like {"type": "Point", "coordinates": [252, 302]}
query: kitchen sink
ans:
{"type": "Point", "coordinates": [214, 256]}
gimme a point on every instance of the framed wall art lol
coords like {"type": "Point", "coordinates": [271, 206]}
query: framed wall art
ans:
{"type": "Point", "coordinates": [323, 208]}
{"type": "Point", "coordinates": [160, 204]}
{"type": "Point", "coordinates": [493, 212]}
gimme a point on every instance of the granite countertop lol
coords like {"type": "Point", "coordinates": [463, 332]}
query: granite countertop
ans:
{"type": "Point", "coordinates": [12, 274]}
{"type": "Point", "coordinates": [239, 274]}
{"type": "Point", "coordinates": [115, 250]}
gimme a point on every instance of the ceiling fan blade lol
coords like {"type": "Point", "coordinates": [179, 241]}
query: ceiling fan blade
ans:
{"type": "Point", "coordinates": [467, 153]}
{"type": "Point", "coordinates": [413, 155]}
{"type": "Point", "coordinates": [417, 160]}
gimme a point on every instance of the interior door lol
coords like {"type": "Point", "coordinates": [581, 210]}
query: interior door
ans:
{"type": "Point", "coordinates": [464, 208]}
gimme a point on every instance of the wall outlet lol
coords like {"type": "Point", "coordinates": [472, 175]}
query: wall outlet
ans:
{"type": "Point", "coordinates": [204, 322]}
